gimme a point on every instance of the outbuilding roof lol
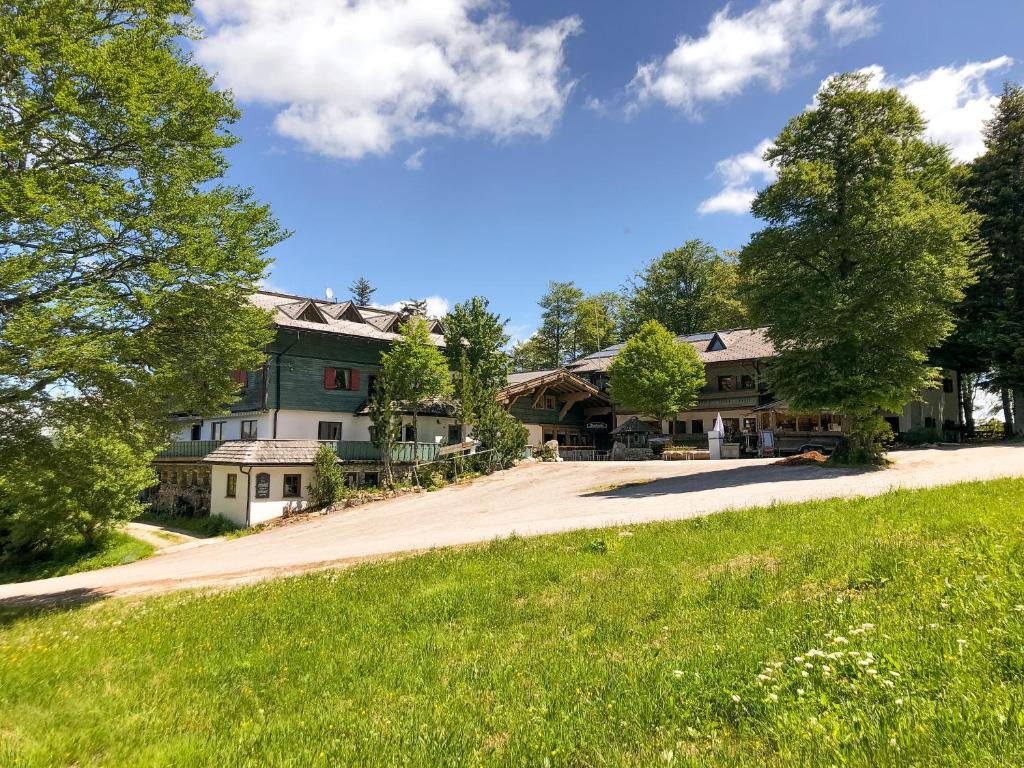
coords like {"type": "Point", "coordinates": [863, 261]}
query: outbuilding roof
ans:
{"type": "Point", "coordinates": [264, 452]}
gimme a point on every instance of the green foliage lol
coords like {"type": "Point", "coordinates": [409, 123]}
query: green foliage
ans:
{"type": "Point", "coordinates": [475, 340]}
{"type": "Point", "coordinates": [688, 290]}
{"type": "Point", "coordinates": [865, 253]}
{"type": "Point", "coordinates": [654, 375]}
{"type": "Point", "coordinates": [414, 367]}
{"type": "Point", "coordinates": [328, 484]}
{"type": "Point", "coordinates": [125, 262]}
{"type": "Point", "coordinates": [601, 648]}
{"type": "Point", "coordinates": [597, 323]}
{"type": "Point", "coordinates": [921, 436]}
{"type": "Point", "coordinates": [76, 486]}
{"type": "Point", "coordinates": [995, 188]}
{"type": "Point", "coordinates": [74, 556]}
{"type": "Point", "coordinates": [387, 425]}
{"type": "Point", "coordinates": [572, 325]}
{"type": "Point", "coordinates": [499, 430]}
{"type": "Point", "coordinates": [207, 525]}
{"type": "Point", "coordinates": [362, 292]}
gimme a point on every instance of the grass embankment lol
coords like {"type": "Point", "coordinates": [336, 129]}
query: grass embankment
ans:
{"type": "Point", "coordinates": [115, 548]}
{"type": "Point", "coordinates": [208, 525]}
{"type": "Point", "coordinates": [885, 631]}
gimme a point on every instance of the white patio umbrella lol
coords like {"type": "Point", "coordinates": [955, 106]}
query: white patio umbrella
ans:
{"type": "Point", "coordinates": [719, 426]}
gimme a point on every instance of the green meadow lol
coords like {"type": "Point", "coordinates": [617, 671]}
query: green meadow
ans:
{"type": "Point", "coordinates": [874, 632]}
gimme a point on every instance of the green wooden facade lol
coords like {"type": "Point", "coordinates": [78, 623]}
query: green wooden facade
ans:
{"type": "Point", "coordinates": [293, 376]}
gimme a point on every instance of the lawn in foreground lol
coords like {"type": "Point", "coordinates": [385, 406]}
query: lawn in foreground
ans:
{"type": "Point", "coordinates": [116, 548]}
{"type": "Point", "coordinates": [884, 631]}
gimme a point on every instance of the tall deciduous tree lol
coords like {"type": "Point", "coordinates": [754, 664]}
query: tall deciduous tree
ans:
{"type": "Point", "coordinates": [655, 375]}
{"type": "Point", "coordinates": [125, 263]}
{"type": "Point", "coordinates": [361, 291]}
{"type": "Point", "coordinates": [416, 369]}
{"type": "Point", "coordinates": [597, 321]}
{"type": "Point", "coordinates": [865, 253]}
{"type": "Point", "coordinates": [995, 187]}
{"type": "Point", "coordinates": [475, 342]}
{"type": "Point", "coordinates": [557, 332]}
{"type": "Point", "coordinates": [688, 290]}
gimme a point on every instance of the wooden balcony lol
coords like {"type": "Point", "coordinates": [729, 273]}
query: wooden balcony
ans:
{"type": "Point", "coordinates": [189, 449]}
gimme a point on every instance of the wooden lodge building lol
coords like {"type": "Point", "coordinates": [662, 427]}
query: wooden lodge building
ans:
{"type": "Point", "coordinates": [734, 363]}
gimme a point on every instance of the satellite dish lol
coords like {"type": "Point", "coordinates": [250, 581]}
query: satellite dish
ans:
{"type": "Point", "coordinates": [329, 293]}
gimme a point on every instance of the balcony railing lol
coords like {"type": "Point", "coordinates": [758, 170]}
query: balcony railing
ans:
{"type": "Point", "coordinates": [402, 453]}
{"type": "Point", "coordinates": [347, 450]}
{"type": "Point", "coordinates": [189, 449]}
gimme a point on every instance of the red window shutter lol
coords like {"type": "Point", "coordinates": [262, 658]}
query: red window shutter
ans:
{"type": "Point", "coordinates": [330, 378]}
{"type": "Point", "coordinates": [353, 382]}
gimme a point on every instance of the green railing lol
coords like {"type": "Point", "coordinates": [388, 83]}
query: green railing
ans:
{"type": "Point", "coordinates": [403, 453]}
{"type": "Point", "coordinates": [189, 449]}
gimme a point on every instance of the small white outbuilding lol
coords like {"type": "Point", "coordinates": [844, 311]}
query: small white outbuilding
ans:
{"type": "Point", "coordinates": [252, 481]}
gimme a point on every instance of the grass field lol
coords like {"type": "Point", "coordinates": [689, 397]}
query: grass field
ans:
{"type": "Point", "coordinates": [115, 549]}
{"type": "Point", "coordinates": [886, 631]}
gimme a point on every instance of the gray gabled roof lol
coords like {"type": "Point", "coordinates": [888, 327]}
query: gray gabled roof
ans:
{"type": "Point", "coordinates": [341, 318]}
{"type": "Point", "coordinates": [734, 345]}
{"type": "Point", "coordinates": [265, 452]}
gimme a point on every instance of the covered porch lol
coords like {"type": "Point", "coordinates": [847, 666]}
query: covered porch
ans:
{"type": "Point", "coordinates": [558, 405]}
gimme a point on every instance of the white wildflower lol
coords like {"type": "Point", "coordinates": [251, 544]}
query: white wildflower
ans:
{"type": "Point", "coordinates": [841, 640]}
{"type": "Point", "coordinates": [677, 673]}
{"type": "Point", "coordinates": [773, 696]}
{"type": "Point", "coordinates": [736, 698]}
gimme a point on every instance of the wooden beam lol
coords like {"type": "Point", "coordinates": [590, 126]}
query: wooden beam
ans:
{"type": "Point", "coordinates": [570, 401]}
{"type": "Point", "coordinates": [539, 396]}
{"type": "Point", "coordinates": [511, 401]}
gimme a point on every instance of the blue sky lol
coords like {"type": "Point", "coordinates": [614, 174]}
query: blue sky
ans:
{"type": "Point", "coordinates": [456, 147]}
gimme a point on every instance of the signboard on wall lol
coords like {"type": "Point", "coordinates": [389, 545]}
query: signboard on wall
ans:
{"type": "Point", "coordinates": [263, 485]}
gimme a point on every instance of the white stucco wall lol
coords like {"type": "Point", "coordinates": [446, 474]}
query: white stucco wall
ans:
{"type": "Point", "coordinates": [304, 425]}
{"type": "Point", "coordinates": [232, 427]}
{"type": "Point", "coordinates": [260, 510]}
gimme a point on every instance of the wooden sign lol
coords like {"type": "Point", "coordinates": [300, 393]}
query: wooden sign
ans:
{"type": "Point", "coordinates": [263, 485]}
{"type": "Point", "coordinates": [465, 445]}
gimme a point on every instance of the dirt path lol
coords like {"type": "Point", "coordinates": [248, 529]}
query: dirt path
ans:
{"type": "Point", "coordinates": [529, 500]}
{"type": "Point", "coordinates": [160, 537]}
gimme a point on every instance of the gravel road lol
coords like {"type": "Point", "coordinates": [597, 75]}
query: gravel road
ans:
{"type": "Point", "coordinates": [528, 500]}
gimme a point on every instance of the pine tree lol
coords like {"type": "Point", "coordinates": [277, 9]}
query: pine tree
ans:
{"type": "Point", "coordinates": [995, 187]}
{"type": "Point", "coordinates": [362, 292]}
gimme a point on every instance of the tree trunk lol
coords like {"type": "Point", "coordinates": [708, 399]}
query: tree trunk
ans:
{"type": "Point", "coordinates": [967, 401]}
{"type": "Point", "coordinates": [416, 443]}
{"type": "Point", "coordinates": [1007, 414]}
{"type": "Point", "coordinates": [1018, 410]}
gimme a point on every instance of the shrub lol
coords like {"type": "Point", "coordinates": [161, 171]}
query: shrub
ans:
{"type": "Point", "coordinates": [328, 484]}
{"type": "Point", "coordinates": [922, 435]}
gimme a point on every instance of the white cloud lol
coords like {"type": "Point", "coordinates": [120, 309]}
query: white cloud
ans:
{"type": "Point", "coordinates": [415, 161]}
{"type": "Point", "coordinates": [956, 102]}
{"type": "Point", "coordinates": [736, 51]}
{"type": "Point", "coordinates": [437, 306]}
{"type": "Point", "coordinates": [848, 20]}
{"type": "Point", "coordinates": [739, 174]}
{"type": "Point", "coordinates": [354, 78]}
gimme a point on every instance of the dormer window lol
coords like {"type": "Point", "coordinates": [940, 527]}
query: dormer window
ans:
{"type": "Point", "coordinates": [312, 315]}
{"type": "Point", "coordinates": [716, 344]}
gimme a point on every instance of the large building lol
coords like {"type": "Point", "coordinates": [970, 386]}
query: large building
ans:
{"type": "Point", "coordinates": [735, 388]}
{"type": "Point", "coordinates": [314, 387]}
